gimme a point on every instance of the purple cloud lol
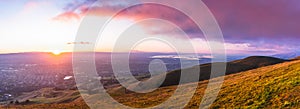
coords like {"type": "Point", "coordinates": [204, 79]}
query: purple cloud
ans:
{"type": "Point", "coordinates": [271, 24]}
{"type": "Point", "coordinates": [257, 19]}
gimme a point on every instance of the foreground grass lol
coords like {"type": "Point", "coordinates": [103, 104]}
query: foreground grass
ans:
{"type": "Point", "coordinates": [276, 86]}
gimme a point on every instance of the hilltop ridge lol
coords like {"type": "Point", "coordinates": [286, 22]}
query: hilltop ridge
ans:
{"type": "Point", "coordinates": [252, 62]}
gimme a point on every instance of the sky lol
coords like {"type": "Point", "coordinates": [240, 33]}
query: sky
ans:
{"type": "Point", "coordinates": [252, 27]}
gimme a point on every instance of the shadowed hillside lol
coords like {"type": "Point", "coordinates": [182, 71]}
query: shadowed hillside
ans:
{"type": "Point", "coordinates": [172, 78]}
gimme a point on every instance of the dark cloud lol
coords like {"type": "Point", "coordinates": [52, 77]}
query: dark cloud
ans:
{"type": "Point", "coordinates": [172, 15]}
{"type": "Point", "coordinates": [138, 12]}
{"type": "Point", "coordinates": [96, 7]}
{"type": "Point", "coordinates": [78, 4]}
{"type": "Point", "coordinates": [267, 23]}
{"type": "Point", "coordinates": [257, 19]}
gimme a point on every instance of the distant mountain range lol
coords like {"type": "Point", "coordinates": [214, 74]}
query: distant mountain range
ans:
{"type": "Point", "coordinates": [297, 58]}
{"type": "Point", "coordinates": [289, 55]}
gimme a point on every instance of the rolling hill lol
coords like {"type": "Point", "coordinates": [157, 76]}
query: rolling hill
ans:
{"type": "Point", "coordinates": [172, 78]}
{"type": "Point", "coordinates": [269, 86]}
{"type": "Point", "coordinates": [274, 86]}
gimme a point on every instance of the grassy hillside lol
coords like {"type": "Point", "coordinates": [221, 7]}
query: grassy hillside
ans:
{"type": "Point", "coordinates": [172, 78]}
{"type": "Point", "coordinates": [49, 98]}
{"type": "Point", "coordinates": [275, 86]}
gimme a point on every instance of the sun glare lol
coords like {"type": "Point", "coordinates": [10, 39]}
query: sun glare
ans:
{"type": "Point", "coordinates": [56, 52]}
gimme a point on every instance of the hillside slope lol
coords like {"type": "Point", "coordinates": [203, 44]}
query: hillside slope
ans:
{"type": "Point", "coordinates": [275, 86]}
{"type": "Point", "coordinates": [172, 78]}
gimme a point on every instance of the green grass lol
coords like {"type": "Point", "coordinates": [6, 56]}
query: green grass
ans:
{"type": "Point", "coordinates": [275, 86]}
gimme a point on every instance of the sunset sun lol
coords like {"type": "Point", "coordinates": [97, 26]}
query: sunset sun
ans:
{"type": "Point", "coordinates": [56, 52]}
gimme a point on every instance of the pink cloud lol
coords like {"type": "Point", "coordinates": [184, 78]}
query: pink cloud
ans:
{"type": "Point", "coordinates": [67, 16]}
{"type": "Point", "coordinates": [238, 19]}
{"type": "Point", "coordinates": [32, 6]}
{"type": "Point", "coordinates": [138, 12]}
{"type": "Point", "coordinates": [255, 22]}
{"type": "Point", "coordinates": [254, 19]}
